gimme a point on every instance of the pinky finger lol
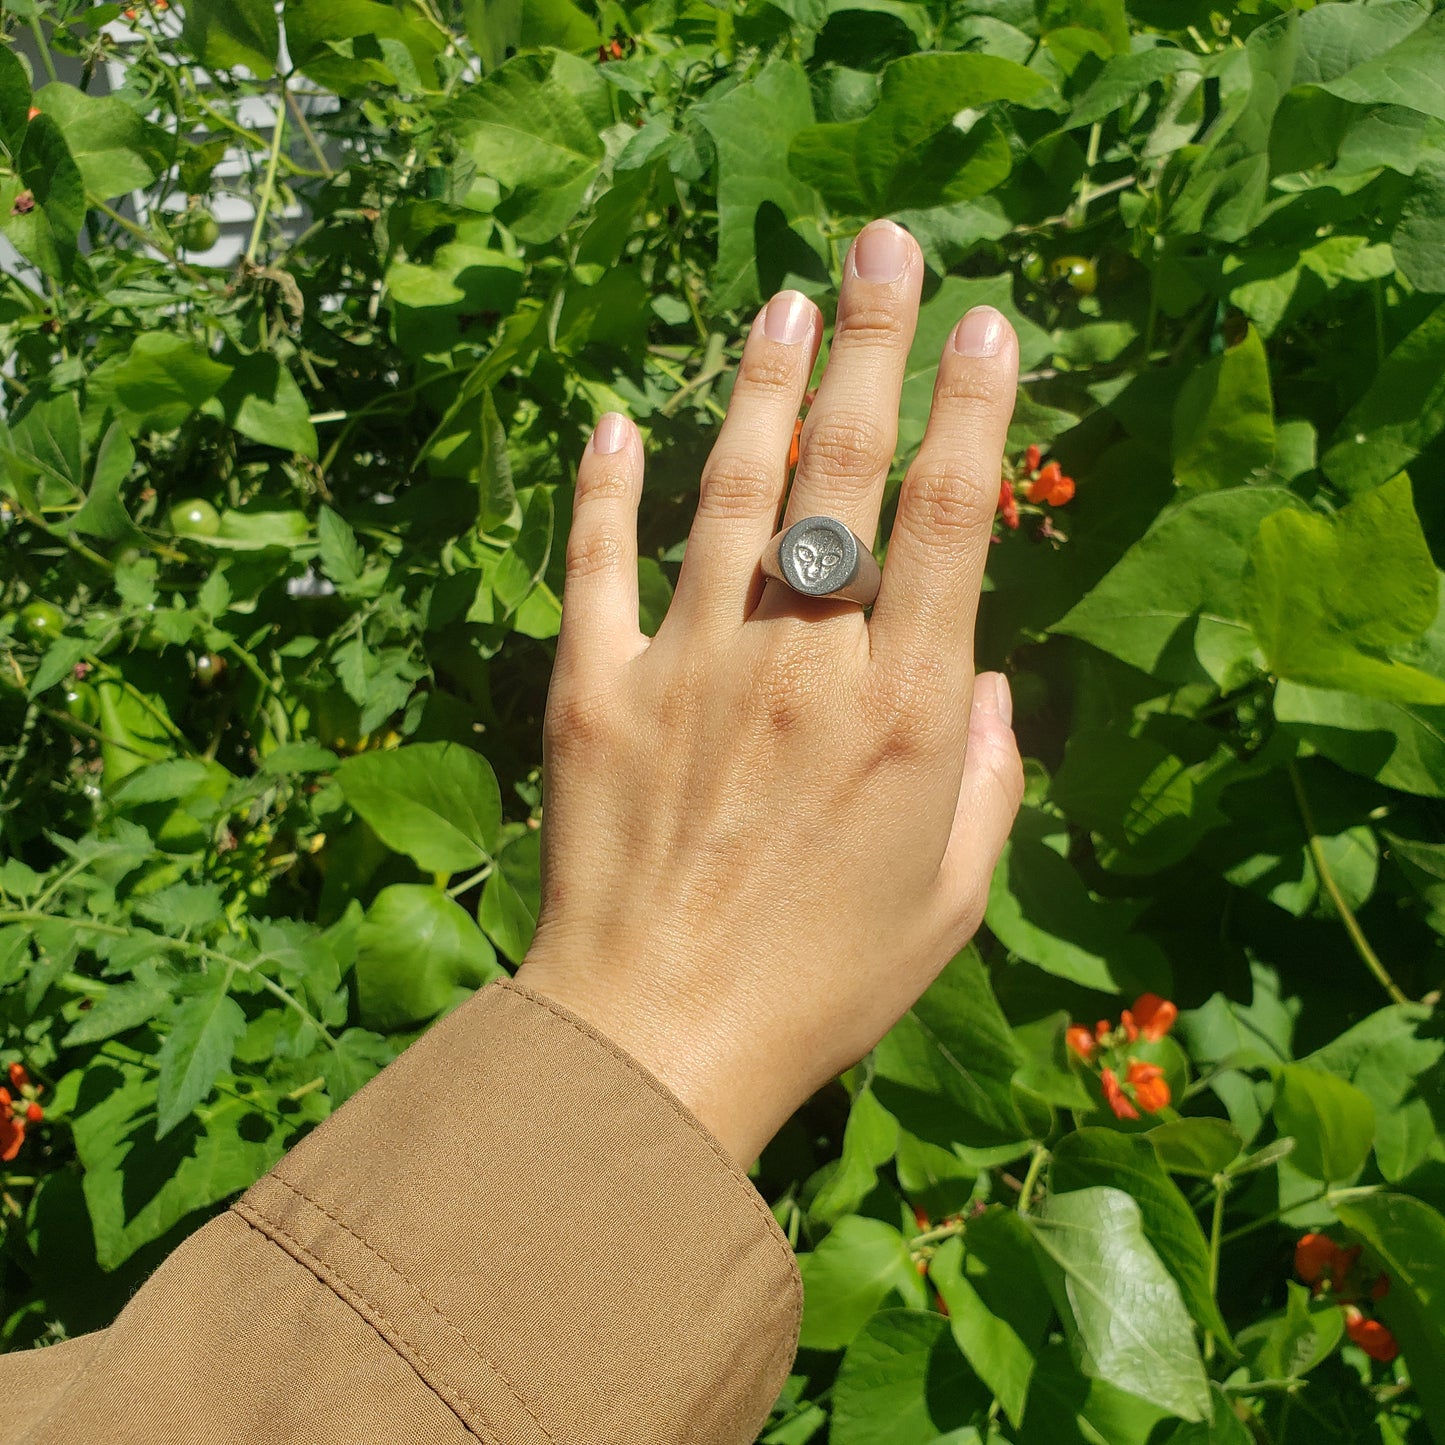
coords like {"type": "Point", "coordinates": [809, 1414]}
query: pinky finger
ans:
{"type": "Point", "coordinates": [599, 598]}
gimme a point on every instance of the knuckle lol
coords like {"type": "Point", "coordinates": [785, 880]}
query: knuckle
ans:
{"type": "Point", "coordinates": [910, 703]}
{"type": "Point", "coordinates": [947, 502]}
{"type": "Point", "coordinates": [764, 370]}
{"type": "Point", "coordinates": [602, 485]}
{"type": "Point", "coordinates": [595, 551]}
{"type": "Point", "coordinates": [579, 721]}
{"type": "Point", "coordinates": [739, 486]}
{"type": "Point", "coordinates": [846, 447]}
{"type": "Point", "coordinates": [973, 389]}
{"type": "Point", "coordinates": [871, 323]}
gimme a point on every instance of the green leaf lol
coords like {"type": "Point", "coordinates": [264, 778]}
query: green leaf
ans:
{"type": "Point", "coordinates": [533, 126]}
{"type": "Point", "coordinates": [435, 306]}
{"type": "Point", "coordinates": [436, 802]}
{"type": "Point", "coordinates": [1292, 1344]}
{"type": "Point", "coordinates": [260, 399]}
{"type": "Point", "coordinates": [1331, 1122]}
{"type": "Point", "coordinates": [1224, 419]}
{"type": "Point", "coordinates": [998, 1305]}
{"type": "Point", "coordinates": [1418, 240]}
{"type": "Point", "coordinates": [1040, 909]}
{"type": "Point", "coordinates": [758, 199]}
{"type": "Point", "coordinates": [1411, 73]}
{"type": "Point", "coordinates": [1174, 605]}
{"type": "Point", "coordinates": [1107, 1158]}
{"type": "Point", "coordinates": [870, 1140]}
{"type": "Point", "coordinates": [512, 897]}
{"type": "Point", "coordinates": [1407, 1236]}
{"type": "Point", "coordinates": [103, 514]}
{"type": "Point", "coordinates": [1123, 77]}
{"type": "Point", "coordinates": [1123, 1311]}
{"type": "Point", "coordinates": [15, 100]}
{"type": "Point", "coordinates": [1400, 414]}
{"type": "Point", "coordinates": [342, 557]}
{"type": "Point", "coordinates": [924, 144]}
{"type": "Point", "coordinates": [114, 147]}
{"type": "Point", "coordinates": [358, 1057]}
{"type": "Point", "coordinates": [945, 1070]}
{"type": "Point", "coordinates": [1327, 596]}
{"type": "Point", "coordinates": [197, 1051]}
{"type": "Point", "coordinates": [42, 205]}
{"type": "Point", "coordinates": [224, 34]}
{"type": "Point", "coordinates": [499, 27]}
{"type": "Point", "coordinates": [861, 1265]}
{"type": "Point", "coordinates": [1198, 1147]}
{"type": "Point", "coordinates": [903, 1380]}
{"type": "Point", "coordinates": [121, 1008]}
{"type": "Point", "coordinates": [346, 45]}
{"type": "Point", "coordinates": [418, 953]}
{"type": "Point", "coordinates": [164, 379]}
{"type": "Point", "coordinates": [138, 1187]}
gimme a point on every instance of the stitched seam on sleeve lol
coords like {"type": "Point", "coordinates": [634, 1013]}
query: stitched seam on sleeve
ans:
{"type": "Point", "coordinates": [379, 1321]}
{"type": "Point", "coordinates": [775, 1233]}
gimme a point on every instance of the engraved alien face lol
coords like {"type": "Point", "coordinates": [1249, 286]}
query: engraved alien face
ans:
{"type": "Point", "coordinates": [817, 554]}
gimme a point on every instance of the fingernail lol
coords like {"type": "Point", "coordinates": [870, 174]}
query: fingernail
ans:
{"type": "Point", "coordinates": [992, 695]}
{"type": "Point", "coordinates": [789, 317]}
{"type": "Point", "coordinates": [880, 252]}
{"type": "Point", "coordinates": [980, 333]}
{"type": "Point", "coordinates": [611, 433]}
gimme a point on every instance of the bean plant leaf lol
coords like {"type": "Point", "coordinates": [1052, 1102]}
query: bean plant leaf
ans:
{"type": "Point", "coordinates": [42, 202]}
{"type": "Point", "coordinates": [1224, 419]}
{"type": "Point", "coordinates": [114, 147]}
{"type": "Point", "coordinates": [1329, 597]}
{"type": "Point", "coordinates": [1107, 1158]}
{"type": "Point", "coordinates": [1331, 1122]}
{"type": "Point", "coordinates": [228, 33]}
{"type": "Point", "coordinates": [1407, 1237]}
{"type": "Point", "coordinates": [436, 802]}
{"type": "Point", "coordinates": [859, 1266]}
{"type": "Point", "coordinates": [1123, 1311]}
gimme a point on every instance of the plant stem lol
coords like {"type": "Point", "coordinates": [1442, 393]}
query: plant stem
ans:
{"type": "Point", "coordinates": [1036, 1165]}
{"type": "Point", "coordinates": [1216, 1240]}
{"type": "Point", "coordinates": [43, 45]}
{"type": "Point", "coordinates": [1352, 925]}
{"type": "Point", "coordinates": [1272, 1217]}
{"type": "Point", "coordinates": [268, 186]}
{"type": "Point", "coordinates": [309, 135]}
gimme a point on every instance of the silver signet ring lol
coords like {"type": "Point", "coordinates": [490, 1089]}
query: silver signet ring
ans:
{"type": "Point", "coordinates": [820, 557]}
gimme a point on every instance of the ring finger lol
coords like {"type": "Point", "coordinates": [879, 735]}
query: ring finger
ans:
{"type": "Point", "coordinates": [851, 430]}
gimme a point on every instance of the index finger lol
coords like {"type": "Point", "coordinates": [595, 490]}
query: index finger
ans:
{"type": "Point", "coordinates": [928, 601]}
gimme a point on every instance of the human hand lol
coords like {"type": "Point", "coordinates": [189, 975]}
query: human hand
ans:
{"type": "Point", "coordinates": [768, 828]}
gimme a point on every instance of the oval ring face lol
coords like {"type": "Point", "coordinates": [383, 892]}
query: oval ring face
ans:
{"type": "Point", "coordinates": [817, 556]}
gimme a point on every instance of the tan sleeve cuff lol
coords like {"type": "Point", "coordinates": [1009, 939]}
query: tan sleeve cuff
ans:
{"type": "Point", "coordinates": [556, 1245]}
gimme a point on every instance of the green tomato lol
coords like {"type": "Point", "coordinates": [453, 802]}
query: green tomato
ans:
{"type": "Point", "coordinates": [42, 621]}
{"type": "Point", "coordinates": [196, 230]}
{"type": "Point", "coordinates": [209, 668]}
{"type": "Point", "coordinates": [194, 517]}
{"type": "Point", "coordinates": [1077, 272]}
{"type": "Point", "coordinates": [82, 702]}
{"type": "Point", "coordinates": [1033, 267]}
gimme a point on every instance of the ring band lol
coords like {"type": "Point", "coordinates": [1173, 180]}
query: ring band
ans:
{"type": "Point", "coordinates": [820, 557]}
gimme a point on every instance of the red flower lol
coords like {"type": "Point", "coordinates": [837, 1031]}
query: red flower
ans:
{"type": "Point", "coordinates": [1007, 506]}
{"type": "Point", "coordinates": [1381, 1286]}
{"type": "Point", "coordinates": [1063, 493]}
{"type": "Point", "coordinates": [1052, 486]}
{"type": "Point", "coordinates": [1102, 1030]}
{"type": "Point", "coordinates": [1344, 1261]}
{"type": "Point", "coordinates": [1151, 1088]}
{"type": "Point", "coordinates": [18, 1077]}
{"type": "Point", "coordinates": [34, 111]}
{"type": "Point", "coordinates": [1115, 1096]}
{"type": "Point", "coordinates": [1080, 1040]}
{"type": "Point", "coordinates": [1031, 459]}
{"type": "Point", "coordinates": [1371, 1336]}
{"type": "Point", "coordinates": [797, 439]}
{"type": "Point", "coordinates": [1131, 1029]}
{"type": "Point", "coordinates": [12, 1136]}
{"type": "Point", "coordinates": [34, 1113]}
{"type": "Point", "coordinates": [1314, 1257]}
{"type": "Point", "coordinates": [1154, 1015]}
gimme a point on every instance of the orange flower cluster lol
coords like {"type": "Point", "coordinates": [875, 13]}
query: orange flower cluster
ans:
{"type": "Point", "coordinates": [798, 431]}
{"type": "Point", "coordinates": [134, 14]}
{"type": "Point", "coordinates": [16, 1113]}
{"type": "Point", "coordinates": [1048, 482]}
{"type": "Point", "coordinates": [1008, 507]}
{"type": "Point", "coordinates": [1143, 1084]}
{"type": "Point", "coordinates": [614, 50]}
{"type": "Point", "coordinates": [1324, 1265]}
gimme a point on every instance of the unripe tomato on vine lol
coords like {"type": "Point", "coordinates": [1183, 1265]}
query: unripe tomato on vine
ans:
{"type": "Point", "coordinates": [1078, 273]}
{"type": "Point", "coordinates": [41, 622]}
{"type": "Point", "coordinates": [194, 517]}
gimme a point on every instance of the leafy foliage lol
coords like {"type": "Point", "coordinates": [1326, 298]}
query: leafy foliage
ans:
{"type": "Point", "coordinates": [282, 573]}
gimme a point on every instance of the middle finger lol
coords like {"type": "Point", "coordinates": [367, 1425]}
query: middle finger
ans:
{"type": "Point", "coordinates": [851, 430]}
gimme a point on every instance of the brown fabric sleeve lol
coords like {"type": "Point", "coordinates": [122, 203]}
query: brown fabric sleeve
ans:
{"type": "Point", "coordinates": [513, 1234]}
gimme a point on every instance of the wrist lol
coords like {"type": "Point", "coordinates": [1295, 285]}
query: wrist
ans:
{"type": "Point", "coordinates": [712, 1065]}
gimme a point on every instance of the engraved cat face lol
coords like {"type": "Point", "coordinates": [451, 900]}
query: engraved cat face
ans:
{"type": "Point", "coordinates": [816, 556]}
